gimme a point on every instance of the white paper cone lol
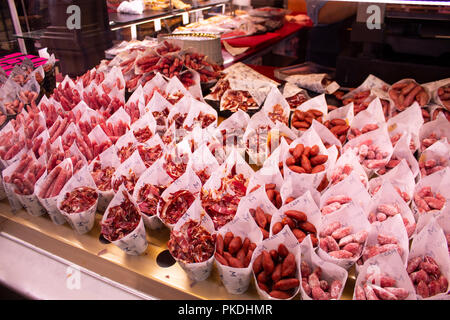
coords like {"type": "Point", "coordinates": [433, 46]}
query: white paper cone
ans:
{"type": "Point", "coordinates": [330, 271]}
{"type": "Point", "coordinates": [237, 280]}
{"type": "Point", "coordinates": [201, 270]}
{"type": "Point", "coordinates": [81, 222]}
{"type": "Point", "coordinates": [286, 237]}
{"type": "Point", "coordinates": [135, 242]}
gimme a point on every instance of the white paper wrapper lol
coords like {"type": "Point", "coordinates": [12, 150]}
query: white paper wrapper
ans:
{"type": "Point", "coordinates": [29, 202]}
{"type": "Point", "coordinates": [273, 98]}
{"type": "Point", "coordinates": [435, 109]}
{"type": "Point", "coordinates": [124, 141]}
{"type": "Point", "coordinates": [265, 176]}
{"type": "Point", "coordinates": [257, 89]}
{"type": "Point", "coordinates": [234, 160]}
{"type": "Point", "coordinates": [154, 175]}
{"type": "Point", "coordinates": [257, 198]}
{"type": "Point", "coordinates": [313, 82]}
{"type": "Point", "coordinates": [409, 121]}
{"type": "Point", "coordinates": [133, 164]}
{"type": "Point", "coordinates": [197, 107]}
{"type": "Point", "coordinates": [380, 138]}
{"type": "Point", "coordinates": [13, 200]}
{"type": "Point", "coordinates": [157, 82]}
{"type": "Point", "coordinates": [181, 107]}
{"type": "Point", "coordinates": [388, 195]}
{"type": "Point", "coordinates": [215, 146]}
{"type": "Point", "coordinates": [196, 90]}
{"type": "Point", "coordinates": [50, 204]}
{"type": "Point", "coordinates": [327, 136]}
{"type": "Point", "coordinates": [318, 103]}
{"type": "Point", "coordinates": [344, 112]}
{"type": "Point", "coordinates": [330, 271]}
{"type": "Point", "coordinates": [438, 151]}
{"type": "Point", "coordinates": [304, 203]}
{"type": "Point", "coordinates": [290, 90]}
{"type": "Point", "coordinates": [138, 99]}
{"type": "Point", "coordinates": [174, 86]}
{"type": "Point", "coordinates": [372, 115]}
{"type": "Point", "coordinates": [439, 183]}
{"type": "Point", "coordinates": [99, 137]}
{"type": "Point", "coordinates": [6, 130]}
{"type": "Point", "coordinates": [112, 77]}
{"type": "Point", "coordinates": [390, 264]}
{"type": "Point", "coordinates": [188, 181]}
{"type": "Point", "coordinates": [400, 177]}
{"type": "Point", "coordinates": [278, 133]}
{"type": "Point", "coordinates": [442, 217]}
{"type": "Point", "coordinates": [431, 241]}
{"type": "Point", "coordinates": [392, 227]}
{"type": "Point", "coordinates": [17, 157]}
{"type": "Point", "coordinates": [86, 114]}
{"type": "Point", "coordinates": [237, 280]}
{"type": "Point", "coordinates": [145, 121]}
{"type": "Point", "coordinates": [238, 70]}
{"type": "Point", "coordinates": [81, 222]}
{"type": "Point", "coordinates": [236, 124]}
{"type": "Point", "coordinates": [440, 127]}
{"type": "Point", "coordinates": [350, 215]}
{"type": "Point", "coordinates": [433, 88]}
{"type": "Point", "coordinates": [201, 270]}
{"type": "Point", "coordinates": [203, 159]}
{"type": "Point", "coordinates": [352, 188]}
{"type": "Point", "coordinates": [259, 125]}
{"type": "Point", "coordinates": [158, 104]}
{"type": "Point", "coordinates": [287, 238]}
{"type": "Point", "coordinates": [347, 160]}
{"type": "Point", "coordinates": [151, 143]}
{"type": "Point", "coordinates": [309, 138]}
{"type": "Point", "coordinates": [107, 158]}
{"type": "Point", "coordinates": [292, 187]}
{"type": "Point", "coordinates": [371, 82]}
{"type": "Point", "coordinates": [403, 151]}
{"type": "Point", "coordinates": [415, 82]}
{"type": "Point", "coordinates": [135, 242]}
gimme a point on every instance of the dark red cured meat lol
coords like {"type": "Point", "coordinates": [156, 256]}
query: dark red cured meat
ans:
{"type": "Point", "coordinates": [79, 199]}
{"type": "Point", "coordinates": [178, 119]}
{"type": "Point", "coordinates": [192, 243]}
{"type": "Point", "coordinates": [175, 166]}
{"type": "Point", "coordinates": [150, 154]}
{"type": "Point", "coordinates": [203, 175]}
{"type": "Point", "coordinates": [148, 198]}
{"type": "Point", "coordinates": [129, 182]}
{"type": "Point", "coordinates": [102, 177]}
{"type": "Point", "coordinates": [161, 116]}
{"type": "Point", "coordinates": [222, 204]}
{"type": "Point", "coordinates": [177, 204]}
{"type": "Point", "coordinates": [143, 134]}
{"type": "Point", "coordinates": [204, 119]}
{"type": "Point", "coordinates": [296, 100]}
{"type": "Point", "coordinates": [221, 210]}
{"type": "Point", "coordinates": [122, 219]}
{"type": "Point", "coordinates": [173, 98]}
{"type": "Point", "coordinates": [126, 151]}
